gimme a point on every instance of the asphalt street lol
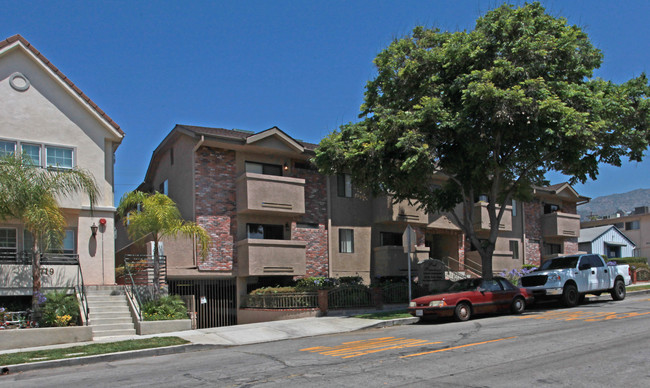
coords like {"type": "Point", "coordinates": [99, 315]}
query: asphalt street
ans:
{"type": "Point", "coordinates": [598, 344]}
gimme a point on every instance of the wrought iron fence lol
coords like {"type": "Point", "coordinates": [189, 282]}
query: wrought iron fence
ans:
{"type": "Point", "coordinates": [349, 296]}
{"type": "Point", "coordinates": [281, 301]}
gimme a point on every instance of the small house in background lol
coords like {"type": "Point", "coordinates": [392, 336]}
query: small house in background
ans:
{"type": "Point", "coordinates": [606, 240]}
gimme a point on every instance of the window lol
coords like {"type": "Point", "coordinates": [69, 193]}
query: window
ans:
{"type": "Point", "coordinates": [388, 238]}
{"type": "Point", "coordinates": [551, 208]}
{"type": "Point", "coordinates": [32, 153]}
{"type": "Point", "coordinates": [346, 240]}
{"type": "Point", "coordinates": [164, 187]}
{"type": "Point", "coordinates": [514, 248]}
{"type": "Point", "coordinates": [595, 261]}
{"type": "Point", "coordinates": [264, 168]}
{"type": "Point", "coordinates": [59, 157]}
{"type": "Point", "coordinates": [344, 185]}
{"type": "Point", "coordinates": [7, 242]}
{"type": "Point", "coordinates": [552, 249]}
{"type": "Point", "coordinates": [514, 208]}
{"type": "Point", "coordinates": [7, 148]}
{"type": "Point", "coordinates": [491, 285]}
{"type": "Point", "coordinates": [265, 231]}
{"type": "Point", "coordinates": [632, 225]}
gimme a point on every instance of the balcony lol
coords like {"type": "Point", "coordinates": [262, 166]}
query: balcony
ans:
{"type": "Point", "coordinates": [385, 211]}
{"type": "Point", "coordinates": [559, 224]}
{"type": "Point", "coordinates": [482, 219]}
{"type": "Point", "coordinates": [270, 194]}
{"type": "Point", "coordinates": [258, 257]}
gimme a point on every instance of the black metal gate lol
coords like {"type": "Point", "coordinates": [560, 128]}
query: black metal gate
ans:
{"type": "Point", "coordinates": [215, 300]}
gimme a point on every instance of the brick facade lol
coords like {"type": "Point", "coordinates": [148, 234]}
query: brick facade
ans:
{"type": "Point", "coordinates": [215, 206]}
{"type": "Point", "coordinates": [533, 212]}
{"type": "Point", "coordinates": [317, 254]}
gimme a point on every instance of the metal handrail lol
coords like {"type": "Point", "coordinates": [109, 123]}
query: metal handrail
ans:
{"type": "Point", "coordinates": [132, 294]}
{"type": "Point", "coordinates": [474, 271]}
{"type": "Point", "coordinates": [82, 293]}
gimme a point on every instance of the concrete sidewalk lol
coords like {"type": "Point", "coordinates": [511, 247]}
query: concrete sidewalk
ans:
{"type": "Point", "coordinates": [204, 339]}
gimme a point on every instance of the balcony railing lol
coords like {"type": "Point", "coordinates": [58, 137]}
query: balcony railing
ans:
{"type": "Point", "coordinates": [10, 256]}
{"type": "Point", "coordinates": [270, 194]}
{"type": "Point", "coordinates": [258, 257]}
{"type": "Point", "coordinates": [561, 225]}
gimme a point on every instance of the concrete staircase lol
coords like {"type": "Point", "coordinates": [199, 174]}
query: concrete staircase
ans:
{"type": "Point", "coordinates": [109, 313]}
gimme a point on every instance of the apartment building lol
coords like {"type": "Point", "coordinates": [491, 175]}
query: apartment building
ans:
{"type": "Point", "coordinates": [273, 218]}
{"type": "Point", "coordinates": [46, 116]}
{"type": "Point", "coordinates": [635, 226]}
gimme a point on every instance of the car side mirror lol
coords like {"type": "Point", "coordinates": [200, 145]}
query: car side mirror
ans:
{"type": "Point", "coordinates": [584, 266]}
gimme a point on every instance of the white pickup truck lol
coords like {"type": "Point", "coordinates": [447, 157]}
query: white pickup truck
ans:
{"type": "Point", "coordinates": [569, 278]}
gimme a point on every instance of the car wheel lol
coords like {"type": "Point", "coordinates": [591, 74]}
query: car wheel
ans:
{"type": "Point", "coordinates": [618, 292]}
{"type": "Point", "coordinates": [462, 312]}
{"type": "Point", "coordinates": [518, 305]}
{"type": "Point", "coordinates": [570, 295]}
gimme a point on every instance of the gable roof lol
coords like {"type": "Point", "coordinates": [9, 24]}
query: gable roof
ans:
{"type": "Point", "coordinates": [560, 187]}
{"type": "Point", "coordinates": [18, 39]}
{"type": "Point", "coordinates": [239, 134]}
{"type": "Point", "coordinates": [588, 235]}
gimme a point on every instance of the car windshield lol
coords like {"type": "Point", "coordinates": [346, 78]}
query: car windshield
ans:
{"type": "Point", "coordinates": [560, 262]}
{"type": "Point", "coordinates": [465, 285]}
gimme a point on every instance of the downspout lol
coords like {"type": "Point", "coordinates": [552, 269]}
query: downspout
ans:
{"type": "Point", "coordinates": [329, 227]}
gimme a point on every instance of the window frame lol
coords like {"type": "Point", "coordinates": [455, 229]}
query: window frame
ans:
{"type": "Point", "coordinates": [39, 162]}
{"type": "Point", "coordinates": [514, 248]}
{"type": "Point", "coordinates": [58, 166]}
{"type": "Point", "coordinates": [8, 250]}
{"type": "Point", "coordinates": [4, 152]}
{"type": "Point", "coordinates": [344, 185]}
{"type": "Point", "coordinates": [344, 233]}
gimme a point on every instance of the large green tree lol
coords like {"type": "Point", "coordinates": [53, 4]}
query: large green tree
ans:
{"type": "Point", "coordinates": [156, 214]}
{"type": "Point", "coordinates": [29, 194]}
{"type": "Point", "coordinates": [492, 111]}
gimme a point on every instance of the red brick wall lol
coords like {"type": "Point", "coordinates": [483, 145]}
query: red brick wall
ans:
{"type": "Point", "coordinates": [317, 261]}
{"type": "Point", "coordinates": [215, 205]}
{"type": "Point", "coordinates": [533, 212]}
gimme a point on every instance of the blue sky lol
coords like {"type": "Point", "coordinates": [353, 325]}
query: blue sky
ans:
{"type": "Point", "coordinates": [298, 65]}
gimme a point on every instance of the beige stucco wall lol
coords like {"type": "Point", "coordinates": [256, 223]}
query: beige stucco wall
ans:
{"type": "Point", "coordinates": [351, 264]}
{"type": "Point", "coordinates": [49, 113]}
{"type": "Point", "coordinates": [180, 175]}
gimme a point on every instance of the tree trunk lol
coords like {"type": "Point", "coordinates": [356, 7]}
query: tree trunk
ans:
{"type": "Point", "coordinates": [36, 274]}
{"type": "Point", "coordinates": [486, 263]}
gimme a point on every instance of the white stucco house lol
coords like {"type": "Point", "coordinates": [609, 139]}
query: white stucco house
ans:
{"type": "Point", "coordinates": [606, 240]}
{"type": "Point", "coordinates": [45, 115]}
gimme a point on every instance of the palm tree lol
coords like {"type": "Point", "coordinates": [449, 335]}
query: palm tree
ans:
{"type": "Point", "coordinates": [29, 194]}
{"type": "Point", "coordinates": [157, 215]}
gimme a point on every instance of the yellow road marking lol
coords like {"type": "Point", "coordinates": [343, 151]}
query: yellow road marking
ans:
{"type": "Point", "coordinates": [457, 347]}
{"type": "Point", "coordinates": [577, 315]}
{"type": "Point", "coordinates": [364, 347]}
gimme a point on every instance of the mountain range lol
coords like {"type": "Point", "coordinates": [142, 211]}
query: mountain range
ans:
{"type": "Point", "coordinates": [609, 204]}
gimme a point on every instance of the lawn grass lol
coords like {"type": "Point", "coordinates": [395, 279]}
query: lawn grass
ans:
{"type": "Point", "coordinates": [385, 315]}
{"type": "Point", "coordinates": [89, 350]}
{"type": "Point", "coordinates": [640, 287]}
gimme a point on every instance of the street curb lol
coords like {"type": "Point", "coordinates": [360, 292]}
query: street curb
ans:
{"type": "Point", "coordinates": [396, 322]}
{"type": "Point", "coordinates": [127, 355]}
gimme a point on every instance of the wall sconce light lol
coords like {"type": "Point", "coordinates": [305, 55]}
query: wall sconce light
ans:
{"type": "Point", "coordinates": [93, 229]}
{"type": "Point", "coordinates": [286, 166]}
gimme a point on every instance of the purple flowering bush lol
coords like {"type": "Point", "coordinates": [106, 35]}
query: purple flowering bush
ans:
{"type": "Point", "coordinates": [515, 274]}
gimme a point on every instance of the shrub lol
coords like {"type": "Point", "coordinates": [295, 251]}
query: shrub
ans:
{"type": "Point", "coordinates": [515, 274]}
{"type": "Point", "coordinates": [60, 309]}
{"type": "Point", "coordinates": [273, 290]}
{"type": "Point", "coordinates": [350, 280]}
{"type": "Point", "coordinates": [316, 283]}
{"type": "Point", "coordinates": [164, 308]}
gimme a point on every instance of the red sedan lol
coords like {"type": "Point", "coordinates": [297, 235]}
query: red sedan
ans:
{"type": "Point", "coordinates": [472, 296]}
